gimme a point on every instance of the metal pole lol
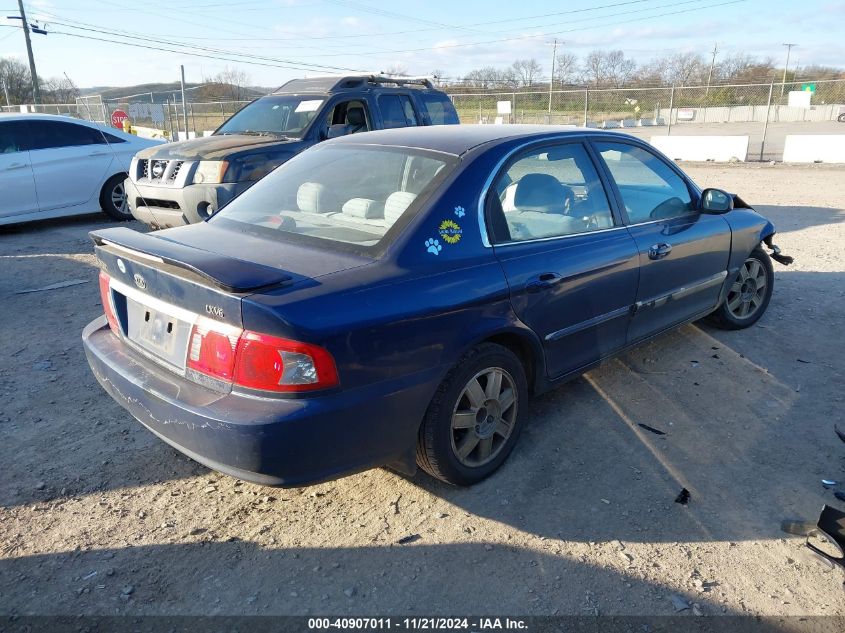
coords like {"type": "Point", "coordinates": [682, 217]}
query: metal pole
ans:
{"type": "Point", "coordinates": [552, 79]}
{"type": "Point", "coordinates": [36, 93]}
{"type": "Point", "coordinates": [712, 64]}
{"type": "Point", "coordinates": [6, 92]}
{"type": "Point", "coordinates": [671, 104]}
{"type": "Point", "coordinates": [184, 103]}
{"type": "Point", "coordinates": [766, 123]}
{"type": "Point", "coordinates": [193, 120]}
{"type": "Point", "coordinates": [586, 104]}
{"type": "Point", "coordinates": [783, 82]}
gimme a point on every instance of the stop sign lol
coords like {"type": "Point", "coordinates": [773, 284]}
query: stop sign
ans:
{"type": "Point", "coordinates": [117, 118]}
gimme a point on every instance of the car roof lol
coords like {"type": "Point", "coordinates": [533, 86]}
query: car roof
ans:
{"type": "Point", "coordinates": [20, 116]}
{"type": "Point", "coordinates": [459, 139]}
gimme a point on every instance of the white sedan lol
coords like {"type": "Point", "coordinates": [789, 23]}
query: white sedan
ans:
{"type": "Point", "coordinates": [52, 166]}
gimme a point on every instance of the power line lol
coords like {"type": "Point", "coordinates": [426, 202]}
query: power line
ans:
{"type": "Point", "coordinates": [551, 34]}
{"type": "Point", "coordinates": [183, 52]}
{"type": "Point", "coordinates": [294, 64]}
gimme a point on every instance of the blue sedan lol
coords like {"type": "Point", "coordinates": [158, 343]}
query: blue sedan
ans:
{"type": "Point", "coordinates": [394, 298]}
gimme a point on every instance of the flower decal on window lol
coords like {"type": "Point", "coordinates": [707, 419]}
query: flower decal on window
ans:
{"type": "Point", "coordinates": [450, 231]}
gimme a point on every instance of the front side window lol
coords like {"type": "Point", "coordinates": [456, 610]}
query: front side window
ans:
{"type": "Point", "coordinates": [55, 134]}
{"type": "Point", "coordinates": [11, 137]}
{"type": "Point", "coordinates": [549, 192]}
{"type": "Point", "coordinates": [650, 189]}
{"type": "Point", "coordinates": [348, 194]}
{"type": "Point", "coordinates": [286, 116]}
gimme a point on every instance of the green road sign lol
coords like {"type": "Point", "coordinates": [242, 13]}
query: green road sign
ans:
{"type": "Point", "coordinates": [808, 87]}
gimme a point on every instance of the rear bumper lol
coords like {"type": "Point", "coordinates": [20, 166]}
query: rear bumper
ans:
{"type": "Point", "coordinates": [165, 207]}
{"type": "Point", "coordinates": [275, 442]}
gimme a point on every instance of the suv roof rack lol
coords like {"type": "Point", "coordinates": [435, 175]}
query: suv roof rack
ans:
{"type": "Point", "coordinates": [335, 83]}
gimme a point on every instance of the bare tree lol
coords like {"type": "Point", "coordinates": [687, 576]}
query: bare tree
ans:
{"type": "Point", "coordinates": [618, 70]}
{"type": "Point", "coordinates": [15, 75]}
{"type": "Point", "coordinates": [527, 71]}
{"type": "Point", "coordinates": [594, 70]}
{"type": "Point", "coordinates": [397, 70]}
{"type": "Point", "coordinates": [566, 68]}
{"type": "Point", "coordinates": [490, 77]}
{"type": "Point", "coordinates": [59, 90]}
{"type": "Point", "coordinates": [233, 83]}
{"type": "Point", "coordinates": [439, 77]}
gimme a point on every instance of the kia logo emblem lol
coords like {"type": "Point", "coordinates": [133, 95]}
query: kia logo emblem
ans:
{"type": "Point", "coordinates": [140, 281]}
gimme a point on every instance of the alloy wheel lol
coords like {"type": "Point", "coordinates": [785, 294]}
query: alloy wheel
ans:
{"type": "Point", "coordinates": [119, 199]}
{"type": "Point", "coordinates": [748, 291]}
{"type": "Point", "coordinates": [484, 417]}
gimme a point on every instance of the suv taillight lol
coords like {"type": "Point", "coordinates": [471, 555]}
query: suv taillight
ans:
{"type": "Point", "coordinates": [105, 296]}
{"type": "Point", "coordinates": [260, 361]}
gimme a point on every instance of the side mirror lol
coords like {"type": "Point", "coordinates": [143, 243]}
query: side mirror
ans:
{"type": "Point", "coordinates": [716, 201]}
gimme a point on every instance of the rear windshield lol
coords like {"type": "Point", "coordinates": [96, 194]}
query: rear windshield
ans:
{"type": "Point", "coordinates": [274, 116]}
{"type": "Point", "coordinates": [345, 194]}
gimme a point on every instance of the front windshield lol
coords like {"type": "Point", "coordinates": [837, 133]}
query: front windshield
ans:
{"type": "Point", "coordinates": [351, 194]}
{"type": "Point", "coordinates": [274, 116]}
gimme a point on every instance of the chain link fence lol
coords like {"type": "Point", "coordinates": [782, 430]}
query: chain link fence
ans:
{"type": "Point", "coordinates": [761, 111]}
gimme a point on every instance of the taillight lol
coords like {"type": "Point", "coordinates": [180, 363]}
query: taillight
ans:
{"type": "Point", "coordinates": [260, 361]}
{"type": "Point", "coordinates": [212, 353]}
{"type": "Point", "coordinates": [105, 296]}
{"type": "Point", "coordinates": [270, 363]}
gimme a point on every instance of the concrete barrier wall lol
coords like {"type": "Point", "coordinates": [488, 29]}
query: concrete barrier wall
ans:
{"type": "Point", "coordinates": [811, 148]}
{"type": "Point", "coordinates": [703, 148]}
{"type": "Point", "coordinates": [743, 114]}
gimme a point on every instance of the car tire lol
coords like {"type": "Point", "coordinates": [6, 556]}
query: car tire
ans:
{"type": "Point", "coordinates": [841, 118]}
{"type": "Point", "coordinates": [474, 419]}
{"type": "Point", "coordinates": [113, 198]}
{"type": "Point", "coordinates": [749, 294]}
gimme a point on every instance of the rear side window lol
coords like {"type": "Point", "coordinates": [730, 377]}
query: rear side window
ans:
{"type": "Point", "coordinates": [12, 137]}
{"type": "Point", "coordinates": [439, 108]}
{"type": "Point", "coordinates": [397, 111]}
{"type": "Point", "coordinates": [54, 134]}
{"type": "Point", "coordinates": [650, 189]}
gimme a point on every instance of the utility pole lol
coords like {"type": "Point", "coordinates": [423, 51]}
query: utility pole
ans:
{"type": "Point", "coordinates": [6, 92]}
{"type": "Point", "coordinates": [552, 78]}
{"type": "Point", "coordinates": [36, 93]}
{"type": "Point", "coordinates": [712, 65]}
{"type": "Point", "coordinates": [783, 82]}
{"type": "Point", "coordinates": [184, 104]}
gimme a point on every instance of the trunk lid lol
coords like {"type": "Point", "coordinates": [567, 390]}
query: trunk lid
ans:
{"type": "Point", "coordinates": [162, 285]}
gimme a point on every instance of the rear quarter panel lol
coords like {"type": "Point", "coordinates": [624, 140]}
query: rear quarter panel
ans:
{"type": "Point", "coordinates": [411, 310]}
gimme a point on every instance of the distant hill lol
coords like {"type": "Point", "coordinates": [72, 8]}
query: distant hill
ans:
{"type": "Point", "coordinates": [161, 92]}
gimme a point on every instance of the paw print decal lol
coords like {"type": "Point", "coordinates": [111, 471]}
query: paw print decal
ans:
{"type": "Point", "coordinates": [433, 246]}
{"type": "Point", "coordinates": [459, 211]}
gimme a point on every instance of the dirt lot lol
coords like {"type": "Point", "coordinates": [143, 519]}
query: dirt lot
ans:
{"type": "Point", "coordinates": [97, 516]}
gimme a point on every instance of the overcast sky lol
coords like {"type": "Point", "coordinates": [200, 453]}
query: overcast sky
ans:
{"type": "Point", "coordinates": [291, 38]}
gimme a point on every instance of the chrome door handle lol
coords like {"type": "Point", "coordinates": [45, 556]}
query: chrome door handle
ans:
{"type": "Point", "coordinates": [659, 251]}
{"type": "Point", "coordinates": [98, 153]}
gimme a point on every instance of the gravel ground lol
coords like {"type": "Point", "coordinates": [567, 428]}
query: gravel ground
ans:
{"type": "Point", "coordinates": [97, 516]}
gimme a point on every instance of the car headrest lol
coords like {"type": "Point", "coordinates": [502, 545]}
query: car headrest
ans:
{"type": "Point", "coordinates": [363, 208]}
{"type": "Point", "coordinates": [396, 204]}
{"type": "Point", "coordinates": [540, 191]}
{"type": "Point", "coordinates": [355, 116]}
{"type": "Point", "coordinates": [313, 197]}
